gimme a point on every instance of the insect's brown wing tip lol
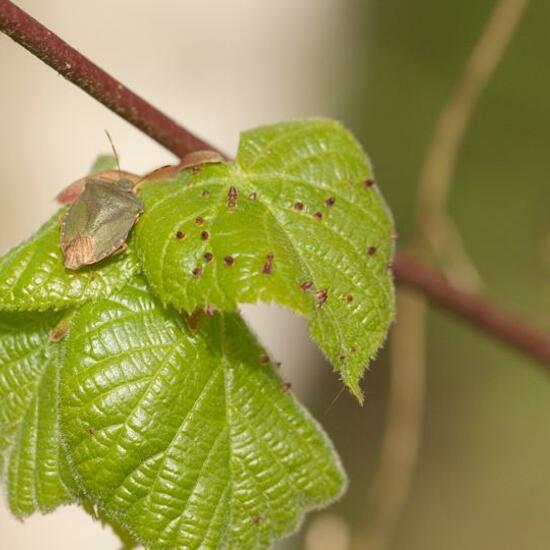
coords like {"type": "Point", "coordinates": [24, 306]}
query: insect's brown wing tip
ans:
{"type": "Point", "coordinates": [79, 252]}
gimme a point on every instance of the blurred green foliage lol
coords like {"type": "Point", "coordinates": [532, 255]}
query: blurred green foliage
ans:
{"type": "Point", "coordinates": [482, 481]}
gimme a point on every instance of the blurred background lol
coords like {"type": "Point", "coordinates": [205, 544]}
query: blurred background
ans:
{"type": "Point", "coordinates": [384, 67]}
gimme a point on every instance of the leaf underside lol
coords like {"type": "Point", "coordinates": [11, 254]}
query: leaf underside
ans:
{"type": "Point", "coordinates": [186, 435]}
{"type": "Point", "coordinates": [34, 467]}
{"type": "Point", "coordinates": [296, 220]}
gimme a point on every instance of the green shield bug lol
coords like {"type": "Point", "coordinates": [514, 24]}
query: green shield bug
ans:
{"type": "Point", "coordinates": [104, 207]}
{"type": "Point", "coordinates": [98, 222]}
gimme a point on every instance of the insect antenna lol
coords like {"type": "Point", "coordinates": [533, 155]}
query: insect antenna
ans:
{"type": "Point", "coordinates": [114, 151]}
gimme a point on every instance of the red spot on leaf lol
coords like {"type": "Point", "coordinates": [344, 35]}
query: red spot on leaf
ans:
{"type": "Point", "coordinates": [268, 265]}
{"type": "Point", "coordinates": [232, 195]}
{"type": "Point", "coordinates": [321, 296]}
{"type": "Point", "coordinates": [306, 285]}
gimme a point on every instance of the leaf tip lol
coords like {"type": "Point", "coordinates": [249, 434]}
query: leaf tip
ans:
{"type": "Point", "coordinates": [355, 388]}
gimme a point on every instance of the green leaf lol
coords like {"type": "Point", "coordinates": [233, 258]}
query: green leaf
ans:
{"type": "Point", "coordinates": [102, 163]}
{"type": "Point", "coordinates": [188, 437]}
{"type": "Point", "coordinates": [32, 459]}
{"type": "Point", "coordinates": [33, 277]}
{"type": "Point", "coordinates": [297, 220]}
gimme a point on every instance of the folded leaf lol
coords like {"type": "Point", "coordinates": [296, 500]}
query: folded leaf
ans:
{"type": "Point", "coordinates": [31, 455]}
{"type": "Point", "coordinates": [188, 437]}
{"type": "Point", "coordinates": [33, 277]}
{"type": "Point", "coordinates": [297, 219]}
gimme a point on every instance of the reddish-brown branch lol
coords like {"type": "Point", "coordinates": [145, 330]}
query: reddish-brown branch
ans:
{"type": "Point", "coordinates": [89, 77]}
{"type": "Point", "coordinates": [474, 309]}
{"type": "Point", "coordinates": [69, 63]}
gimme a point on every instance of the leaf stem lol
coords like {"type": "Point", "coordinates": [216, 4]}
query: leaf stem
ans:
{"type": "Point", "coordinates": [79, 70]}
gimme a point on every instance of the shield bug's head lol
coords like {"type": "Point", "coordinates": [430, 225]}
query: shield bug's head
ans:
{"type": "Point", "coordinates": [125, 183]}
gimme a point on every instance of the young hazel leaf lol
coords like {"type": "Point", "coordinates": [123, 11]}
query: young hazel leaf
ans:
{"type": "Point", "coordinates": [185, 436]}
{"type": "Point", "coordinates": [298, 219]}
{"type": "Point", "coordinates": [32, 459]}
{"type": "Point", "coordinates": [33, 277]}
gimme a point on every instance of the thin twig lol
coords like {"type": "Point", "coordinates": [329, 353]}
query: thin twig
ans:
{"type": "Point", "coordinates": [439, 166]}
{"type": "Point", "coordinates": [442, 152]}
{"type": "Point", "coordinates": [475, 310]}
{"type": "Point", "coordinates": [437, 237]}
{"type": "Point", "coordinates": [76, 68]}
{"type": "Point", "coordinates": [393, 477]}
{"type": "Point", "coordinates": [52, 50]}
